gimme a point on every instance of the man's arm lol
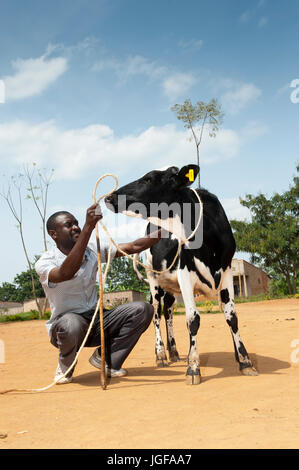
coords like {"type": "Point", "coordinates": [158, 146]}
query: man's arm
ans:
{"type": "Point", "coordinates": [73, 261]}
{"type": "Point", "coordinates": [140, 244]}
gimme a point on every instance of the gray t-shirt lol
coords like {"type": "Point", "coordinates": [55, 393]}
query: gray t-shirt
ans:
{"type": "Point", "coordinates": [79, 294]}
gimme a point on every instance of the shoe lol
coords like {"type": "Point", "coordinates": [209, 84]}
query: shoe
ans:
{"type": "Point", "coordinates": [116, 372]}
{"type": "Point", "coordinates": [62, 380]}
{"type": "Point", "coordinates": [95, 360]}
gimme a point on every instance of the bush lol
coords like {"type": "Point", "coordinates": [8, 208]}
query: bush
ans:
{"type": "Point", "coordinates": [278, 287]}
{"type": "Point", "coordinates": [208, 306]}
{"type": "Point", "coordinates": [32, 315]}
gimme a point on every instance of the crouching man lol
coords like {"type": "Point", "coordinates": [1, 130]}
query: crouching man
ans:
{"type": "Point", "coordinates": [68, 274]}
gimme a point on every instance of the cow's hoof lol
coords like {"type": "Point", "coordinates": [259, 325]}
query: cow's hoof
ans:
{"type": "Point", "coordinates": [192, 378]}
{"type": "Point", "coordinates": [249, 371]}
{"type": "Point", "coordinates": [162, 363]}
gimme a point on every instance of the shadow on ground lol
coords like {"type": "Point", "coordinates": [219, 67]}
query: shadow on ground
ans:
{"type": "Point", "coordinates": [175, 372]}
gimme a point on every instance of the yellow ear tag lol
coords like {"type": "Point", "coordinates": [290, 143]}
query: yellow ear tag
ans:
{"type": "Point", "coordinates": [190, 175]}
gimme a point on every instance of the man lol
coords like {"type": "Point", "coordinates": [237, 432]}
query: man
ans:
{"type": "Point", "coordinates": [68, 274]}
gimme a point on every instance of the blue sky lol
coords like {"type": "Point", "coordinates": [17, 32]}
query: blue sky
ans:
{"type": "Point", "coordinates": [88, 91]}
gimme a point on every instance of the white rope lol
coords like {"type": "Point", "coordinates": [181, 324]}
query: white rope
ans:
{"type": "Point", "coordinates": [111, 241]}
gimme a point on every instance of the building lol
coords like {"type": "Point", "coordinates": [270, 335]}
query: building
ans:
{"type": "Point", "coordinates": [31, 304]}
{"type": "Point", "coordinates": [248, 279]}
{"type": "Point", "coordinates": [10, 308]}
{"type": "Point", "coordinates": [14, 308]}
{"type": "Point", "coordinates": [112, 299]}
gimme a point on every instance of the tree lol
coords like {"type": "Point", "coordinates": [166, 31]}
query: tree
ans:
{"type": "Point", "coordinates": [37, 190]}
{"type": "Point", "coordinates": [21, 289]}
{"type": "Point", "coordinates": [196, 117]}
{"type": "Point", "coordinates": [8, 292]}
{"type": "Point", "coordinates": [122, 276]}
{"type": "Point", "coordinates": [272, 237]}
{"type": "Point", "coordinates": [39, 182]}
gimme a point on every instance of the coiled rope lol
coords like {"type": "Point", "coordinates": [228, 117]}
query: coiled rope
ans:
{"type": "Point", "coordinates": [102, 281]}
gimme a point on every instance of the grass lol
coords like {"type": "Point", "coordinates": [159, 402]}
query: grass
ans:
{"type": "Point", "coordinates": [24, 316]}
{"type": "Point", "coordinates": [261, 297]}
{"type": "Point", "coordinates": [207, 306]}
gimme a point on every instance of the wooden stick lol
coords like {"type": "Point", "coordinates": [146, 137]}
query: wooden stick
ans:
{"type": "Point", "coordinates": [103, 362]}
{"type": "Point", "coordinates": [101, 287]}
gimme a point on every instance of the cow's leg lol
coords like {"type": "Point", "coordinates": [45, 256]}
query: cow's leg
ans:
{"type": "Point", "coordinates": [193, 321]}
{"type": "Point", "coordinates": [169, 300]}
{"type": "Point", "coordinates": [227, 299]}
{"type": "Point", "coordinates": [157, 293]}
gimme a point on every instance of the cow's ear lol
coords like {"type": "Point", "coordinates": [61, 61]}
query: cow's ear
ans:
{"type": "Point", "coordinates": [187, 175]}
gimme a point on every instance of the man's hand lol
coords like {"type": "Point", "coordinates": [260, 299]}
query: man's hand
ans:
{"type": "Point", "coordinates": [73, 261]}
{"type": "Point", "coordinates": [93, 215]}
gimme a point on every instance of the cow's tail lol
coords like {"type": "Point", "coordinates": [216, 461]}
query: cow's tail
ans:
{"type": "Point", "coordinates": [135, 266]}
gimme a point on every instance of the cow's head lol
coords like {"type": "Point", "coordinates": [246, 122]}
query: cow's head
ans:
{"type": "Point", "coordinates": [156, 196]}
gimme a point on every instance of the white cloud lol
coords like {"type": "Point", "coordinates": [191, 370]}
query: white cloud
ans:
{"type": "Point", "coordinates": [283, 89]}
{"type": "Point", "coordinates": [140, 65]}
{"type": "Point", "coordinates": [178, 84]}
{"type": "Point", "coordinates": [174, 84]}
{"type": "Point", "coordinates": [74, 153]}
{"type": "Point", "coordinates": [262, 21]}
{"type": "Point", "coordinates": [88, 45]}
{"type": "Point", "coordinates": [244, 18]}
{"type": "Point", "coordinates": [195, 44]}
{"type": "Point", "coordinates": [2, 92]}
{"type": "Point", "coordinates": [124, 228]}
{"type": "Point", "coordinates": [234, 209]}
{"type": "Point", "coordinates": [253, 130]}
{"type": "Point", "coordinates": [33, 76]}
{"type": "Point", "coordinates": [251, 15]}
{"type": "Point", "coordinates": [133, 65]}
{"type": "Point", "coordinates": [235, 100]}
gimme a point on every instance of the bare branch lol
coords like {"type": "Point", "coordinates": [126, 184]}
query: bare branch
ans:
{"type": "Point", "coordinates": [202, 114]}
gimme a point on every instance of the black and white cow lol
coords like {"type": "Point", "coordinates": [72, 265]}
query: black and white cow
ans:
{"type": "Point", "coordinates": [204, 262]}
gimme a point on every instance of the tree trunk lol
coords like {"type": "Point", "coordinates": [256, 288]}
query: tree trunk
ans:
{"type": "Point", "coordinates": [197, 157]}
{"type": "Point", "coordinates": [295, 280]}
{"type": "Point", "coordinates": [31, 273]}
{"type": "Point", "coordinates": [197, 147]}
{"type": "Point", "coordinates": [290, 286]}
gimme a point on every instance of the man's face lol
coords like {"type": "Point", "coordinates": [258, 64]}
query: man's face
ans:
{"type": "Point", "coordinates": [66, 231]}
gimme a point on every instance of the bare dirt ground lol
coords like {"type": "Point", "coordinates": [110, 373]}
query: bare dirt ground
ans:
{"type": "Point", "coordinates": [153, 408]}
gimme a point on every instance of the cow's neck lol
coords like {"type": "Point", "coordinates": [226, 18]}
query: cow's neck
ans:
{"type": "Point", "coordinates": [173, 225]}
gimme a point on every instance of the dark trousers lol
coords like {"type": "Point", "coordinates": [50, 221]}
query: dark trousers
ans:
{"type": "Point", "coordinates": [123, 326]}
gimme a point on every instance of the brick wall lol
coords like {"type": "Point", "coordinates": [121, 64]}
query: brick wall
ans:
{"type": "Point", "coordinates": [121, 297]}
{"type": "Point", "coordinates": [31, 304]}
{"type": "Point", "coordinates": [256, 279]}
